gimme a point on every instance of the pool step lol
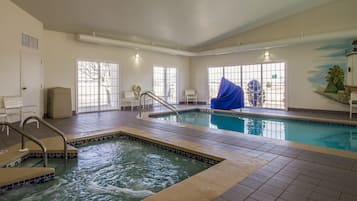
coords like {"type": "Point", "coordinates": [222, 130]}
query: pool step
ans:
{"type": "Point", "coordinates": [12, 178]}
{"type": "Point", "coordinates": [32, 162]}
{"type": "Point", "coordinates": [11, 158]}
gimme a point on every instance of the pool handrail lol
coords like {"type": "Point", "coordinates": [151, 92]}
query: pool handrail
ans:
{"type": "Point", "coordinates": [30, 137]}
{"type": "Point", "coordinates": [158, 99]}
{"type": "Point", "coordinates": [51, 127]}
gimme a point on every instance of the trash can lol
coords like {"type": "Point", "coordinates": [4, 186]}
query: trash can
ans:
{"type": "Point", "coordinates": [59, 104]}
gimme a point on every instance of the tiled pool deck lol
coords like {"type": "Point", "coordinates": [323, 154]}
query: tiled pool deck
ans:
{"type": "Point", "coordinates": [253, 168]}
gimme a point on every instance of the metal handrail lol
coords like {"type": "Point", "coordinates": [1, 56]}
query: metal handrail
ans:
{"type": "Point", "coordinates": [30, 137]}
{"type": "Point", "coordinates": [162, 101]}
{"type": "Point", "coordinates": [158, 99]}
{"type": "Point", "coordinates": [57, 131]}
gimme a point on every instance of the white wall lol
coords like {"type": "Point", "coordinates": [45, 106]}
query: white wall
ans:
{"type": "Point", "coordinates": [335, 16]}
{"type": "Point", "coordinates": [13, 22]}
{"type": "Point", "coordinates": [300, 61]}
{"type": "Point", "coordinates": [60, 52]}
{"type": "Point", "coordinates": [63, 50]}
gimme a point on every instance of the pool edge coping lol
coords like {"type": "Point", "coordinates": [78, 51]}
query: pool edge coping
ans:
{"type": "Point", "coordinates": [124, 130]}
{"type": "Point", "coordinates": [307, 147]}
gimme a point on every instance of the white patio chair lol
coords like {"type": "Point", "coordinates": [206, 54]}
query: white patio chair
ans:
{"type": "Point", "coordinates": [14, 106]}
{"type": "Point", "coordinates": [130, 100]}
{"type": "Point", "coordinates": [191, 95]}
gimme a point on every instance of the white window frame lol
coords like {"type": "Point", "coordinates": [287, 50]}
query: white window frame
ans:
{"type": "Point", "coordinates": [117, 91]}
{"type": "Point", "coordinates": [165, 83]}
{"type": "Point", "coordinates": [285, 106]}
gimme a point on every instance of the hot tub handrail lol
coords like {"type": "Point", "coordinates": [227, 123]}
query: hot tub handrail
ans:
{"type": "Point", "coordinates": [30, 137]}
{"type": "Point", "coordinates": [158, 99]}
{"type": "Point", "coordinates": [51, 127]}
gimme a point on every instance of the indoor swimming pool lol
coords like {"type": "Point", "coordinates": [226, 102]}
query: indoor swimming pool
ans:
{"type": "Point", "coordinates": [335, 136]}
{"type": "Point", "coordinates": [123, 169]}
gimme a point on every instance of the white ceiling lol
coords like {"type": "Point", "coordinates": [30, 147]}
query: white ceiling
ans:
{"type": "Point", "coordinates": [173, 23]}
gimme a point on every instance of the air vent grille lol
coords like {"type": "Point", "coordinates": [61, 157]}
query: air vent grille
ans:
{"type": "Point", "coordinates": [29, 41]}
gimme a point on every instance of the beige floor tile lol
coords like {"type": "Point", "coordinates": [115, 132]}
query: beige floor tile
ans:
{"type": "Point", "coordinates": [13, 175]}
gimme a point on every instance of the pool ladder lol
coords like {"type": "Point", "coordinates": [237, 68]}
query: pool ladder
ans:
{"type": "Point", "coordinates": [35, 140]}
{"type": "Point", "coordinates": [30, 137]}
{"type": "Point", "coordinates": [159, 100]}
{"type": "Point", "coordinates": [54, 129]}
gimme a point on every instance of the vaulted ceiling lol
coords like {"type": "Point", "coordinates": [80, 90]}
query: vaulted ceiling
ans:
{"type": "Point", "coordinates": [181, 24]}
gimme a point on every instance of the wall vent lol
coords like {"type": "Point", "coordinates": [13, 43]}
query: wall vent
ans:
{"type": "Point", "coordinates": [29, 41]}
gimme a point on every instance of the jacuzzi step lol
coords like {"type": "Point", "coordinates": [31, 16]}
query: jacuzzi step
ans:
{"type": "Point", "coordinates": [12, 158]}
{"type": "Point", "coordinates": [32, 162]}
{"type": "Point", "coordinates": [12, 178]}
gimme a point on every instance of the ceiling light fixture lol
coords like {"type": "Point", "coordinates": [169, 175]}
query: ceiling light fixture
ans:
{"type": "Point", "coordinates": [266, 55]}
{"type": "Point", "coordinates": [137, 58]}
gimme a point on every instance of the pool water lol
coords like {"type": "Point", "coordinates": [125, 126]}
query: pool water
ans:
{"type": "Point", "coordinates": [120, 169]}
{"type": "Point", "coordinates": [314, 133]}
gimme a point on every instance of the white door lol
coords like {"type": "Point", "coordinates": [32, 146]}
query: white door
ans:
{"type": "Point", "coordinates": [97, 86]}
{"type": "Point", "coordinates": [31, 79]}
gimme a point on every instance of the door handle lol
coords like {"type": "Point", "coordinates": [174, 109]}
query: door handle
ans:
{"type": "Point", "coordinates": [24, 88]}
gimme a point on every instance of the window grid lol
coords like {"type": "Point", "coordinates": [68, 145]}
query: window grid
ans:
{"type": "Point", "coordinates": [165, 83]}
{"type": "Point", "coordinates": [159, 81]}
{"type": "Point", "coordinates": [87, 85]}
{"type": "Point", "coordinates": [109, 86]}
{"type": "Point", "coordinates": [214, 79]}
{"type": "Point", "coordinates": [270, 77]}
{"type": "Point", "coordinates": [97, 86]}
{"type": "Point", "coordinates": [274, 85]}
{"type": "Point", "coordinates": [233, 73]}
{"type": "Point", "coordinates": [171, 85]}
{"type": "Point", "coordinates": [249, 73]}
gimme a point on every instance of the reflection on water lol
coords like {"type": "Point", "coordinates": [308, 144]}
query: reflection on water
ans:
{"type": "Point", "coordinates": [320, 134]}
{"type": "Point", "coordinates": [254, 127]}
{"type": "Point", "coordinates": [226, 122]}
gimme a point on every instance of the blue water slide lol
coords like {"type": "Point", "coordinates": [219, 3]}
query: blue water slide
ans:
{"type": "Point", "coordinates": [230, 96]}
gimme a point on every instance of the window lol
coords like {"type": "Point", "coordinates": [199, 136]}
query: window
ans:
{"type": "Point", "coordinates": [233, 74]}
{"type": "Point", "coordinates": [274, 85]}
{"type": "Point", "coordinates": [214, 79]}
{"type": "Point", "coordinates": [215, 74]}
{"type": "Point", "coordinates": [97, 86]}
{"type": "Point", "coordinates": [263, 84]}
{"type": "Point", "coordinates": [164, 81]}
{"type": "Point", "coordinates": [29, 41]}
{"type": "Point", "coordinates": [252, 97]}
